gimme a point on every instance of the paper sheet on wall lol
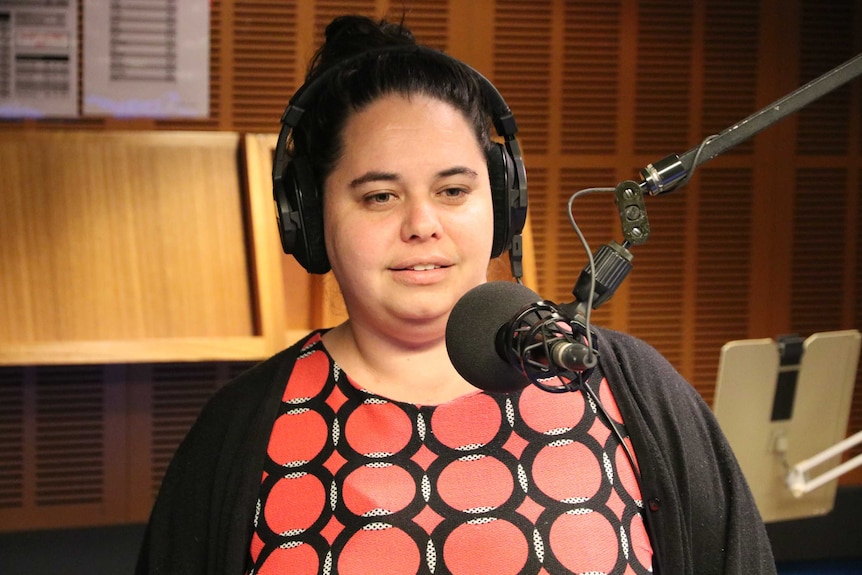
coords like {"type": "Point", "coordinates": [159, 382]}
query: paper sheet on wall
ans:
{"type": "Point", "coordinates": [38, 58]}
{"type": "Point", "coordinates": [146, 58]}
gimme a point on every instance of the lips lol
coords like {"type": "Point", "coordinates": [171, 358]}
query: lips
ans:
{"type": "Point", "coordinates": [424, 267]}
{"type": "Point", "coordinates": [421, 266]}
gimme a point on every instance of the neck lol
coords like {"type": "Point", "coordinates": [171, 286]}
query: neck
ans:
{"type": "Point", "coordinates": [414, 371]}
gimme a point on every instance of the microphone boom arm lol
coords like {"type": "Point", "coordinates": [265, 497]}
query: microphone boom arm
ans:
{"type": "Point", "coordinates": [673, 171]}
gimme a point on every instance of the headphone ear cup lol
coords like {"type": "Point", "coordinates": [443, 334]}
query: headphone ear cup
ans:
{"type": "Point", "coordinates": [300, 217]}
{"type": "Point", "coordinates": [500, 173]}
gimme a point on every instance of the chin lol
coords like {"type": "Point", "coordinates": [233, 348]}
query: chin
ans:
{"type": "Point", "coordinates": [421, 313]}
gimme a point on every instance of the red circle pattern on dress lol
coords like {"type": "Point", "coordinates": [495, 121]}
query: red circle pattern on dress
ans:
{"type": "Point", "coordinates": [304, 423]}
{"type": "Point", "coordinates": [354, 483]}
{"type": "Point", "coordinates": [466, 547]}
{"type": "Point", "coordinates": [379, 549]}
{"type": "Point", "coordinates": [375, 489]}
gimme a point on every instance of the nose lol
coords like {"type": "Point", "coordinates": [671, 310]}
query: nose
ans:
{"type": "Point", "coordinates": [421, 220]}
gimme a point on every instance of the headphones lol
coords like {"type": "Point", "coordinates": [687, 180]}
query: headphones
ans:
{"type": "Point", "coordinates": [298, 200]}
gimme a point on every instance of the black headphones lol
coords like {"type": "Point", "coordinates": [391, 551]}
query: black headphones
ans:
{"type": "Point", "coordinates": [298, 201]}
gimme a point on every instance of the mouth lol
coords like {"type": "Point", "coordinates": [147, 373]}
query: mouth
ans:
{"type": "Point", "coordinates": [423, 267]}
{"type": "Point", "coordinates": [421, 273]}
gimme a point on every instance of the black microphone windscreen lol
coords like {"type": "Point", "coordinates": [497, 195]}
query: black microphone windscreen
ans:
{"type": "Point", "coordinates": [471, 334]}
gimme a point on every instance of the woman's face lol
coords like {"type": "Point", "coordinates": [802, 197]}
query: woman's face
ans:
{"type": "Point", "coordinates": [408, 217]}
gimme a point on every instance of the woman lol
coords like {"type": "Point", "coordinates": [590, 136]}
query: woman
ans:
{"type": "Point", "coordinates": [362, 450]}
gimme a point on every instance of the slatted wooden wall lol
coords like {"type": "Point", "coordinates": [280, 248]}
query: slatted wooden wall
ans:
{"type": "Point", "coordinates": [762, 242]}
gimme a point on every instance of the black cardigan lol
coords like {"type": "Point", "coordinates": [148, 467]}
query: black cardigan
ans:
{"type": "Point", "coordinates": [699, 511]}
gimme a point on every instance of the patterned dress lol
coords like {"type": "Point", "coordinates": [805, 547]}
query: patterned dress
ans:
{"type": "Point", "coordinates": [526, 482]}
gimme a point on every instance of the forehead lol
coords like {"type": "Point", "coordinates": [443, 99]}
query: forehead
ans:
{"type": "Point", "coordinates": [397, 123]}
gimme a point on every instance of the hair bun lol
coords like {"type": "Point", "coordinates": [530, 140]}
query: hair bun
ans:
{"type": "Point", "coordinates": [349, 35]}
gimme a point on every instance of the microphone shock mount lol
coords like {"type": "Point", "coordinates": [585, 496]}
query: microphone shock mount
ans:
{"type": "Point", "coordinates": [547, 347]}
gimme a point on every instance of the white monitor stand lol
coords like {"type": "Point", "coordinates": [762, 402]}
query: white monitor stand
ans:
{"type": "Point", "coordinates": [783, 433]}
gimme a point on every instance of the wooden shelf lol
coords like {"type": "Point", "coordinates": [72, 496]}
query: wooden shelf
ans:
{"type": "Point", "coordinates": [138, 246]}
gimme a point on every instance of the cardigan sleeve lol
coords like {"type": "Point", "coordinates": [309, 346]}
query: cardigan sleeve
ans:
{"type": "Point", "coordinates": [701, 514]}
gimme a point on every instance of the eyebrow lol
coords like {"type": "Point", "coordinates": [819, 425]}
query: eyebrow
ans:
{"type": "Point", "coordinates": [376, 176]}
{"type": "Point", "coordinates": [457, 171]}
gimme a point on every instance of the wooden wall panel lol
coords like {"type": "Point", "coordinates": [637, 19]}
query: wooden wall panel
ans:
{"type": "Point", "coordinates": [729, 69]}
{"type": "Point", "coordinates": [70, 453]}
{"type": "Point", "coordinates": [546, 248]}
{"type": "Point", "coordinates": [77, 449]}
{"type": "Point", "coordinates": [723, 261]}
{"type": "Point", "coordinates": [522, 68]}
{"type": "Point", "coordinates": [67, 466]}
{"type": "Point", "coordinates": [663, 81]}
{"type": "Point", "coordinates": [265, 61]}
{"type": "Point", "coordinates": [12, 446]}
{"type": "Point", "coordinates": [657, 282]}
{"type": "Point", "coordinates": [590, 83]}
{"type": "Point", "coordinates": [665, 84]}
{"type": "Point", "coordinates": [827, 41]}
{"type": "Point", "coordinates": [818, 250]}
{"type": "Point", "coordinates": [723, 190]}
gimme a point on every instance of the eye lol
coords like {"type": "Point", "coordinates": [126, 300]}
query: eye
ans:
{"type": "Point", "coordinates": [378, 198]}
{"type": "Point", "coordinates": [454, 193]}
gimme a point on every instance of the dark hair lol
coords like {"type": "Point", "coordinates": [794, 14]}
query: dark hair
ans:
{"type": "Point", "coordinates": [369, 63]}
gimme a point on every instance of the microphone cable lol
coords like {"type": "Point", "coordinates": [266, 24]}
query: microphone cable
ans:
{"type": "Point", "coordinates": [593, 396]}
{"type": "Point", "coordinates": [587, 313]}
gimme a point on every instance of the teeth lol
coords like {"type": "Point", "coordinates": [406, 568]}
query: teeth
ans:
{"type": "Point", "coordinates": [423, 267]}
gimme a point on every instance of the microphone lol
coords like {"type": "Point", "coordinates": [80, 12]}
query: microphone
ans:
{"type": "Point", "coordinates": [501, 337]}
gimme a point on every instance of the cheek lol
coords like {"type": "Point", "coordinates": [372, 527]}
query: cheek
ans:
{"type": "Point", "coordinates": [350, 247]}
{"type": "Point", "coordinates": [476, 230]}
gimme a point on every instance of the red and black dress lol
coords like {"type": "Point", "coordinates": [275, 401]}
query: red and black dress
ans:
{"type": "Point", "coordinates": [526, 482]}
